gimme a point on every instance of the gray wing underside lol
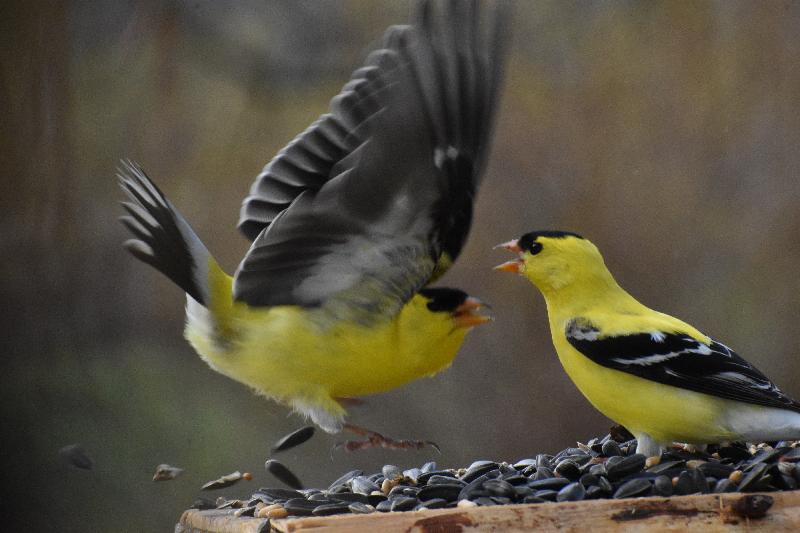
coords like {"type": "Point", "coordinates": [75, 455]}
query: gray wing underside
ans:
{"type": "Point", "coordinates": [350, 212]}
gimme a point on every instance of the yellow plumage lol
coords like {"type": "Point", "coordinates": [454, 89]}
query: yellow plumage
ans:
{"type": "Point", "coordinates": [307, 359]}
{"type": "Point", "coordinates": [579, 289]}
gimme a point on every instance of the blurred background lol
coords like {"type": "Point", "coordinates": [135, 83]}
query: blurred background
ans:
{"type": "Point", "coordinates": [666, 132]}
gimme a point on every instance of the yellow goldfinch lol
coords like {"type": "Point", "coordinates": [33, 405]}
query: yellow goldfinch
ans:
{"type": "Point", "coordinates": [658, 376]}
{"type": "Point", "coordinates": [349, 223]}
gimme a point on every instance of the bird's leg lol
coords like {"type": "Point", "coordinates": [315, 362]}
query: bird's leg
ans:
{"type": "Point", "coordinates": [647, 445]}
{"type": "Point", "coordinates": [376, 440]}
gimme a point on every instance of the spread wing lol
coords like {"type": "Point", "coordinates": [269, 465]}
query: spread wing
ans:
{"type": "Point", "coordinates": [681, 361]}
{"type": "Point", "coordinates": [361, 206]}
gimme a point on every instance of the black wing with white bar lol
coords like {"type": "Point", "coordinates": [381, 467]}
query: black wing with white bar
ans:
{"type": "Point", "coordinates": [681, 361]}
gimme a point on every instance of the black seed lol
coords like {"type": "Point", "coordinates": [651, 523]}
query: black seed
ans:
{"type": "Point", "coordinates": [440, 476]}
{"type": "Point", "coordinates": [737, 452]}
{"type": "Point", "coordinates": [516, 480]}
{"type": "Point", "coordinates": [725, 485]}
{"type": "Point", "coordinates": [484, 501]}
{"type": "Point", "coordinates": [472, 487]}
{"type": "Point", "coordinates": [375, 499]}
{"type": "Point", "coordinates": [571, 493]}
{"type": "Point", "coordinates": [544, 460]}
{"type": "Point", "coordinates": [534, 499]}
{"type": "Point", "coordinates": [605, 484]}
{"type": "Point", "coordinates": [542, 473]}
{"type": "Point", "coordinates": [610, 449]}
{"type": "Point", "coordinates": [404, 503]}
{"type": "Point", "coordinates": [752, 477]}
{"type": "Point", "coordinates": [278, 494]}
{"type": "Point", "coordinates": [568, 469]}
{"type": "Point", "coordinates": [391, 472]}
{"type": "Point", "coordinates": [498, 487]}
{"type": "Point", "coordinates": [522, 464]}
{"type": "Point", "coordinates": [665, 466]}
{"type": "Point", "coordinates": [549, 495]}
{"type": "Point", "coordinates": [595, 492]}
{"type": "Point", "coordinates": [633, 488]}
{"type": "Point", "coordinates": [440, 491]}
{"type": "Point", "coordinates": [598, 470]}
{"type": "Point", "coordinates": [628, 465]}
{"type": "Point", "coordinates": [715, 469]}
{"type": "Point", "coordinates": [293, 439]}
{"type": "Point", "coordinates": [300, 506]}
{"type": "Point", "coordinates": [587, 480]}
{"type": "Point", "coordinates": [362, 485]}
{"type": "Point", "coordinates": [685, 484]}
{"type": "Point", "coordinates": [474, 472]}
{"type": "Point", "coordinates": [764, 456]}
{"type": "Point", "coordinates": [384, 507]}
{"type": "Point", "coordinates": [521, 491]}
{"type": "Point", "coordinates": [349, 497]}
{"type": "Point", "coordinates": [331, 508]}
{"type": "Point", "coordinates": [553, 483]}
{"type": "Point", "coordinates": [411, 491]}
{"type": "Point", "coordinates": [345, 478]}
{"type": "Point", "coordinates": [360, 508]}
{"type": "Point", "coordinates": [699, 480]}
{"type": "Point", "coordinates": [428, 467]}
{"type": "Point", "coordinates": [662, 486]}
{"type": "Point", "coordinates": [282, 473]}
{"type": "Point", "coordinates": [434, 503]}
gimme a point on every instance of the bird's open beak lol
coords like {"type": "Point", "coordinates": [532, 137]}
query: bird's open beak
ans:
{"type": "Point", "coordinates": [466, 315]}
{"type": "Point", "coordinates": [515, 265]}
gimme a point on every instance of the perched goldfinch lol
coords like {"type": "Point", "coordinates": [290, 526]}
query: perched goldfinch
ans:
{"type": "Point", "coordinates": [349, 223]}
{"type": "Point", "coordinates": [658, 376]}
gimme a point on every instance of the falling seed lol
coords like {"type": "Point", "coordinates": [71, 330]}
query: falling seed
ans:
{"type": "Point", "coordinates": [75, 455]}
{"type": "Point", "coordinates": [166, 472]}
{"type": "Point", "coordinates": [295, 438]}
{"type": "Point", "coordinates": [283, 474]}
{"type": "Point", "coordinates": [224, 481]}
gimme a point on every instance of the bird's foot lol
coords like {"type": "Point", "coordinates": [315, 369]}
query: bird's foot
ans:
{"type": "Point", "coordinates": [376, 440]}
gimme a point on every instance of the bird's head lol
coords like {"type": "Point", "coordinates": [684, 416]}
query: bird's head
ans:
{"type": "Point", "coordinates": [455, 305]}
{"type": "Point", "coordinates": [553, 260]}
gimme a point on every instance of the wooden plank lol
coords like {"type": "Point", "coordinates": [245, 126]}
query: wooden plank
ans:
{"type": "Point", "coordinates": [708, 513]}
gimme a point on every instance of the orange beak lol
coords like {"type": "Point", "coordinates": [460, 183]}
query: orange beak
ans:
{"type": "Point", "coordinates": [466, 315]}
{"type": "Point", "coordinates": [515, 265]}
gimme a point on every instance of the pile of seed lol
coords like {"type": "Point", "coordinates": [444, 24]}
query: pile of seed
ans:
{"type": "Point", "coordinates": [602, 468]}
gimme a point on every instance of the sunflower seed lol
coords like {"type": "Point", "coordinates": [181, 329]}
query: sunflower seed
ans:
{"type": "Point", "coordinates": [633, 488]}
{"type": "Point", "coordinates": [404, 503]}
{"type": "Point", "coordinates": [222, 482]}
{"type": "Point", "coordinates": [331, 508]}
{"type": "Point", "coordinates": [295, 438]}
{"type": "Point", "coordinates": [628, 465]}
{"type": "Point", "coordinates": [662, 486]}
{"type": "Point", "coordinates": [282, 474]}
{"type": "Point", "coordinates": [571, 493]}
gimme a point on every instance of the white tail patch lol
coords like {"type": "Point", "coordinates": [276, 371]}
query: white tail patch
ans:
{"type": "Point", "coordinates": [756, 423]}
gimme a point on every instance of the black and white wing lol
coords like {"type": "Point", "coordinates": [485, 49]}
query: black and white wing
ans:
{"type": "Point", "coordinates": [362, 206]}
{"type": "Point", "coordinates": [681, 361]}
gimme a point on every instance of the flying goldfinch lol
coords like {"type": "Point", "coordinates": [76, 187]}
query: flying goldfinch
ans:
{"type": "Point", "coordinates": [349, 223]}
{"type": "Point", "coordinates": [658, 376]}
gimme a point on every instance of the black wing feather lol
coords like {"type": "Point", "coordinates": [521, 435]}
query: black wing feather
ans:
{"type": "Point", "coordinates": [681, 361]}
{"type": "Point", "coordinates": [391, 172]}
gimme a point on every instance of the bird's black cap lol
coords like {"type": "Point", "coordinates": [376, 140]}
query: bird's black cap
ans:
{"type": "Point", "coordinates": [527, 241]}
{"type": "Point", "coordinates": [444, 299]}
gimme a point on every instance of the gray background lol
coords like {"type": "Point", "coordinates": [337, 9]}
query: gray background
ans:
{"type": "Point", "coordinates": [666, 132]}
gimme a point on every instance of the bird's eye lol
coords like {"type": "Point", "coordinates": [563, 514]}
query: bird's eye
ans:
{"type": "Point", "coordinates": [536, 247]}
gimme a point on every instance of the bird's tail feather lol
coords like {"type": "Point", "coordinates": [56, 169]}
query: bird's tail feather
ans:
{"type": "Point", "coordinates": [164, 239]}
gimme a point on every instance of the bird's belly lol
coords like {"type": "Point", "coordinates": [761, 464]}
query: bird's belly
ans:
{"type": "Point", "coordinates": [666, 413]}
{"type": "Point", "coordinates": [291, 359]}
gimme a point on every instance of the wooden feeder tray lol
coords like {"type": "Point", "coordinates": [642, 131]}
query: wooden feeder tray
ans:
{"type": "Point", "coordinates": [709, 513]}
